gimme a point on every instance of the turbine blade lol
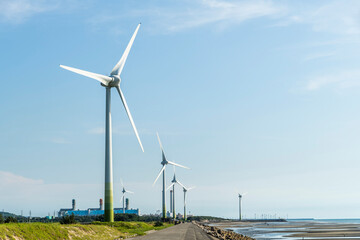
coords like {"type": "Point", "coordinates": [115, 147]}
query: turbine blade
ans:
{"type": "Point", "coordinates": [190, 188]}
{"type": "Point", "coordinates": [243, 194]}
{"type": "Point", "coordinates": [129, 115]}
{"type": "Point", "coordinates": [120, 65]}
{"type": "Point", "coordinates": [162, 169]}
{"type": "Point", "coordinates": [180, 184]}
{"type": "Point", "coordinates": [175, 164]}
{"type": "Point", "coordinates": [170, 186]}
{"type": "Point", "coordinates": [101, 78]}
{"type": "Point", "coordinates": [128, 191]}
{"type": "Point", "coordinates": [161, 147]}
{"type": "Point", "coordinates": [121, 181]}
{"type": "Point", "coordinates": [122, 197]}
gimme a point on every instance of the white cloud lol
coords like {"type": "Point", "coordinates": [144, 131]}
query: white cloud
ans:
{"type": "Point", "coordinates": [8, 178]}
{"type": "Point", "coordinates": [314, 56]}
{"type": "Point", "coordinates": [220, 12]}
{"type": "Point", "coordinates": [16, 11]}
{"type": "Point", "coordinates": [59, 141]}
{"type": "Point", "coordinates": [336, 17]}
{"type": "Point", "coordinates": [196, 13]}
{"type": "Point", "coordinates": [344, 79]}
{"type": "Point", "coordinates": [98, 130]}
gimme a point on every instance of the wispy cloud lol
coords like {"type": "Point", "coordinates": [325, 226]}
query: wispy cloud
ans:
{"type": "Point", "coordinates": [344, 79]}
{"type": "Point", "coordinates": [197, 13]}
{"type": "Point", "coordinates": [337, 17]}
{"type": "Point", "coordinates": [7, 178]}
{"type": "Point", "coordinates": [17, 11]}
{"type": "Point", "coordinates": [314, 56]}
{"type": "Point", "coordinates": [58, 140]}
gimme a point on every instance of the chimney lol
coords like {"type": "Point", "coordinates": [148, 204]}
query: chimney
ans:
{"type": "Point", "coordinates": [73, 204]}
{"type": "Point", "coordinates": [127, 204]}
{"type": "Point", "coordinates": [101, 204]}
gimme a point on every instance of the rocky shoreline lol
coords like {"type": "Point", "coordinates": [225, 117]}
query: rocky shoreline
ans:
{"type": "Point", "coordinates": [220, 233]}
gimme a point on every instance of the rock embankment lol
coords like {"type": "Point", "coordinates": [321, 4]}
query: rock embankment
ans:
{"type": "Point", "coordinates": [222, 234]}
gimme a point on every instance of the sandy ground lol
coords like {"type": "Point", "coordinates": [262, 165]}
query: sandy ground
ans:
{"type": "Point", "coordinates": [294, 230]}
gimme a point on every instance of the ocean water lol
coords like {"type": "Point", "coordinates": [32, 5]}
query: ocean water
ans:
{"type": "Point", "coordinates": [280, 230]}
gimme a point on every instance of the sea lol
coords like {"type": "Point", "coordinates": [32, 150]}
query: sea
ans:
{"type": "Point", "coordinates": [261, 232]}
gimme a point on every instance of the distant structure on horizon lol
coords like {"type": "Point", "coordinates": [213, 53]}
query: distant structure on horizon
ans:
{"type": "Point", "coordinates": [95, 211]}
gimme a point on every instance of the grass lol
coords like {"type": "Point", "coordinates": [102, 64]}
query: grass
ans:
{"type": "Point", "coordinates": [96, 230]}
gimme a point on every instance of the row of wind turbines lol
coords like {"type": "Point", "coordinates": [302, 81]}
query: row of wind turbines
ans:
{"type": "Point", "coordinates": [109, 82]}
{"type": "Point", "coordinates": [165, 162]}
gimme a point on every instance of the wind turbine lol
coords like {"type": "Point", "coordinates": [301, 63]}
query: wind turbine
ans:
{"type": "Point", "coordinates": [164, 162]}
{"type": "Point", "coordinates": [174, 181]}
{"type": "Point", "coordinates": [240, 197]}
{"type": "Point", "coordinates": [109, 82]}
{"type": "Point", "coordinates": [123, 196]}
{"type": "Point", "coordinates": [185, 191]}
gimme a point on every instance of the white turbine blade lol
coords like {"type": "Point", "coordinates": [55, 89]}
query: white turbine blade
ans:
{"type": "Point", "coordinates": [180, 184]}
{"type": "Point", "coordinates": [175, 164]}
{"type": "Point", "coordinates": [129, 115]}
{"type": "Point", "coordinates": [243, 194]}
{"type": "Point", "coordinates": [190, 188]}
{"type": "Point", "coordinates": [101, 78]}
{"type": "Point", "coordinates": [129, 191]}
{"type": "Point", "coordinates": [170, 186]}
{"type": "Point", "coordinates": [121, 181]}
{"type": "Point", "coordinates": [161, 147]}
{"type": "Point", "coordinates": [162, 169]}
{"type": "Point", "coordinates": [122, 197]}
{"type": "Point", "coordinates": [120, 65]}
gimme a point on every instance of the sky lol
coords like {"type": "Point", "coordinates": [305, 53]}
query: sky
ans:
{"type": "Point", "coordinates": [254, 96]}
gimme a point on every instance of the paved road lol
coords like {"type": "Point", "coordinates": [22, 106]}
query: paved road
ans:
{"type": "Point", "coordinates": [185, 231]}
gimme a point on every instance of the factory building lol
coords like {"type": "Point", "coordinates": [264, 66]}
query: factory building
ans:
{"type": "Point", "coordinates": [95, 211]}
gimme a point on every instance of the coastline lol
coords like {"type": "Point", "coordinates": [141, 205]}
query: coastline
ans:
{"type": "Point", "coordinates": [291, 229]}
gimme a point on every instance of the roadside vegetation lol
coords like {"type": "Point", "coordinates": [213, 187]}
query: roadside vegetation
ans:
{"type": "Point", "coordinates": [95, 230]}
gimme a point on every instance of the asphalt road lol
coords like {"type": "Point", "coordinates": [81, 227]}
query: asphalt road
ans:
{"type": "Point", "coordinates": [185, 231]}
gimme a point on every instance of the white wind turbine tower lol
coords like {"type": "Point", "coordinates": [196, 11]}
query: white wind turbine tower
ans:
{"type": "Point", "coordinates": [109, 82]}
{"type": "Point", "coordinates": [123, 196]}
{"type": "Point", "coordinates": [164, 162]}
{"type": "Point", "coordinates": [174, 181]}
{"type": "Point", "coordinates": [185, 191]}
{"type": "Point", "coordinates": [240, 198]}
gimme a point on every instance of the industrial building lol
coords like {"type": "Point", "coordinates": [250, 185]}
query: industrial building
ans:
{"type": "Point", "coordinates": [95, 211]}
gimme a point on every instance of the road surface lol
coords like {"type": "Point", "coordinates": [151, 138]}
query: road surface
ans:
{"type": "Point", "coordinates": [184, 231]}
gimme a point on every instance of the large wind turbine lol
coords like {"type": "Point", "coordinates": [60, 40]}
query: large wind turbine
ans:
{"type": "Point", "coordinates": [123, 196]}
{"type": "Point", "coordinates": [164, 162]}
{"type": "Point", "coordinates": [185, 191]}
{"type": "Point", "coordinates": [174, 181]}
{"type": "Point", "coordinates": [109, 82]}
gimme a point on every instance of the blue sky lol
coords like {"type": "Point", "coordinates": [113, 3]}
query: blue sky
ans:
{"type": "Point", "coordinates": [254, 96]}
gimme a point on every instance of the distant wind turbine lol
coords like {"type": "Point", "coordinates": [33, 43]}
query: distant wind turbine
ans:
{"type": "Point", "coordinates": [123, 196]}
{"type": "Point", "coordinates": [185, 191]}
{"type": "Point", "coordinates": [174, 181]}
{"type": "Point", "coordinates": [109, 82]}
{"type": "Point", "coordinates": [240, 198]}
{"type": "Point", "coordinates": [164, 162]}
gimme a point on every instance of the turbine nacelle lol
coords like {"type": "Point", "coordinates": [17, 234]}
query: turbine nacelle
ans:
{"type": "Point", "coordinates": [114, 82]}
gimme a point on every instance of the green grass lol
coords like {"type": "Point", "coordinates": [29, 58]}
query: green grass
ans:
{"type": "Point", "coordinates": [96, 230]}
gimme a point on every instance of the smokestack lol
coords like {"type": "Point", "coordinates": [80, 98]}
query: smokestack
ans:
{"type": "Point", "coordinates": [101, 204]}
{"type": "Point", "coordinates": [73, 204]}
{"type": "Point", "coordinates": [171, 201]}
{"type": "Point", "coordinates": [127, 204]}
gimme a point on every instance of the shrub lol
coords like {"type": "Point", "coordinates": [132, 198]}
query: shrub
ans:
{"type": "Point", "coordinates": [1, 218]}
{"type": "Point", "coordinates": [11, 219]}
{"type": "Point", "coordinates": [68, 219]}
{"type": "Point", "coordinates": [158, 224]}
